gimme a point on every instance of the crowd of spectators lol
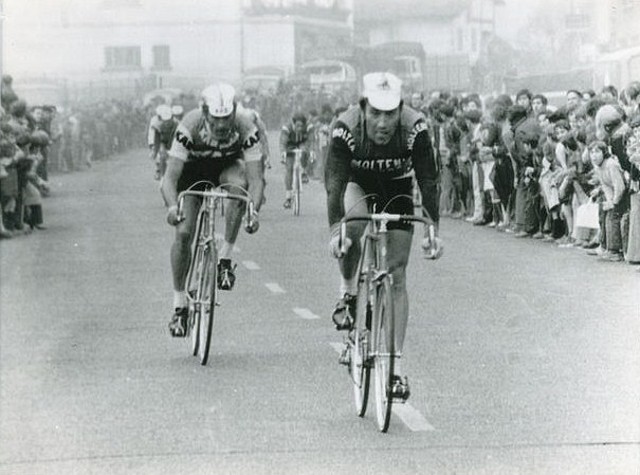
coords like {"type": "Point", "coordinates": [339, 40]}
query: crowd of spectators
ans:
{"type": "Point", "coordinates": [278, 105]}
{"type": "Point", "coordinates": [38, 139]}
{"type": "Point", "coordinates": [566, 175]}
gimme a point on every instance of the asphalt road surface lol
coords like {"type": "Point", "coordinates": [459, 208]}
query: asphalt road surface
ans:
{"type": "Point", "coordinates": [523, 358]}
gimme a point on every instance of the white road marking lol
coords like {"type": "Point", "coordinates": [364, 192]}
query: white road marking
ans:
{"type": "Point", "coordinates": [337, 346]}
{"type": "Point", "coordinates": [305, 313]}
{"type": "Point", "coordinates": [251, 265]}
{"type": "Point", "coordinates": [275, 288]}
{"type": "Point", "coordinates": [412, 418]}
{"type": "Point", "coordinates": [408, 414]}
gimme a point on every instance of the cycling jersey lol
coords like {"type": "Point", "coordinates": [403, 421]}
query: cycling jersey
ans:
{"type": "Point", "coordinates": [194, 141]}
{"type": "Point", "coordinates": [167, 131]}
{"type": "Point", "coordinates": [291, 139]}
{"type": "Point", "coordinates": [206, 157]}
{"type": "Point", "coordinates": [353, 157]}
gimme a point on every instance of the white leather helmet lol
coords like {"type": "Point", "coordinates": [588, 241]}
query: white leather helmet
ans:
{"type": "Point", "coordinates": [164, 111]}
{"type": "Point", "coordinates": [219, 99]}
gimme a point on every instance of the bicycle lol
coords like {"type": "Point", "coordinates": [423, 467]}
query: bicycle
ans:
{"type": "Point", "coordinates": [201, 283]}
{"type": "Point", "coordinates": [296, 184]}
{"type": "Point", "coordinates": [371, 342]}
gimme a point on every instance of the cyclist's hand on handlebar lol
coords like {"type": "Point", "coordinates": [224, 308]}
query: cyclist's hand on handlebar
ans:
{"type": "Point", "coordinates": [283, 157]}
{"type": "Point", "coordinates": [253, 224]}
{"type": "Point", "coordinates": [432, 247]}
{"type": "Point", "coordinates": [173, 218]}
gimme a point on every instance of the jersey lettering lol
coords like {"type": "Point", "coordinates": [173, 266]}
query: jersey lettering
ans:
{"type": "Point", "coordinates": [183, 139]}
{"type": "Point", "coordinates": [345, 135]}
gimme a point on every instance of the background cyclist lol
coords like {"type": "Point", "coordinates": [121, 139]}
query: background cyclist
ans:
{"type": "Point", "coordinates": [295, 135]}
{"type": "Point", "coordinates": [218, 142]}
{"type": "Point", "coordinates": [158, 138]}
{"type": "Point", "coordinates": [375, 149]}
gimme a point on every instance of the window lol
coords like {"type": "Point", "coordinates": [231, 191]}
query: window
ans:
{"type": "Point", "coordinates": [122, 58]}
{"type": "Point", "coordinates": [161, 58]}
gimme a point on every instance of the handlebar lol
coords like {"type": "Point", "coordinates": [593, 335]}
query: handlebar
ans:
{"type": "Point", "coordinates": [383, 218]}
{"type": "Point", "coordinates": [222, 194]}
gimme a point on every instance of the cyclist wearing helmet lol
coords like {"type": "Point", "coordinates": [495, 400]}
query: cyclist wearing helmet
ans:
{"type": "Point", "coordinates": [295, 135]}
{"type": "Point", "coordinates": [375, 149]}
{"type": "Point", "coordinates": [158, 145]}
{"type": "Point", "coordinates": [217, 142]}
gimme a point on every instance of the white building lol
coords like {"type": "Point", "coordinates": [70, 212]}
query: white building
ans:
{"type": "Point", "coordinates": [134, 45]}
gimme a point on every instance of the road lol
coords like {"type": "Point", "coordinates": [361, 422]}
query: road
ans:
{"type": "Point", "coordinates": [523, 358]}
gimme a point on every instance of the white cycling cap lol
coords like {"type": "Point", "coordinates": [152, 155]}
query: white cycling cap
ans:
{"type": "Point", "coordinates": [219, 99]}
{"type": "Point", "coordinates": [177, 109]}
{"type": "Point", "coordinates": [164, 111]}
{"type": "Point", "coordinates": [382, 90]}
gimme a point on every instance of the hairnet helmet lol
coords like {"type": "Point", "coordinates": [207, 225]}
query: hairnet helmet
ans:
{"type": "Point", "coordinates": [163, 111]}
{"type": "Point", "coordinates": [219, 100]}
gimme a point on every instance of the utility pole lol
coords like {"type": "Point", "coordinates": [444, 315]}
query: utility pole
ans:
{"type": "Point", "coordinates": [1, 43]}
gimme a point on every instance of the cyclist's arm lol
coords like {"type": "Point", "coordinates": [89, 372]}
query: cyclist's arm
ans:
{"type": "Point", "coordinates": [337, 173]}
{"type": "Point", "coordinates": [169, 186]}
{"type": "Point", "coordinates": [284, 139]}
{"type": "Point", "coordinates": [264, 141]}
{"type": "Point", "coordinates": [427, 172]}
{"type": "Point", "coordinates": [153, 136]}
{"type": "Point", "coordinates": [178, 155]}
{"type": "Point", "coordinates": [254, 167]}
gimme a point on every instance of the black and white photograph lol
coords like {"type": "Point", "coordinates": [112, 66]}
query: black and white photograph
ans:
{"type": "Point", "coordinates": [319, 237]}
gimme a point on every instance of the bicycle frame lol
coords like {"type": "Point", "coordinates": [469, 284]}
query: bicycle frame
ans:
{"type": "Point", "coordinates": [378, 350]}
{"type": "Point", "coordinates": [201, 282]}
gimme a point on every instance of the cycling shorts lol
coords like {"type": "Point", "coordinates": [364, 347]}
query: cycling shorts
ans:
{"type": "Point", "coordinates": [204, 170]}
{"type": "Point", "coordinates": [391, 196]}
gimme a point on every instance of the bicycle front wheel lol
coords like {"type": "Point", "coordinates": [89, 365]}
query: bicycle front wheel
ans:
{"type": "Point", "coordinates": [384, 351]}
{"type": "Point", "coordinates": [360, 367]}
{"type": "Point", "coordinates": [208, 304]}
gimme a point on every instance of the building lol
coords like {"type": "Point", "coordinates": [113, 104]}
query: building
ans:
{"type": "Point", "coordinates": [107, 48]}
{"type": "Point", "coordinates": [453, 33]}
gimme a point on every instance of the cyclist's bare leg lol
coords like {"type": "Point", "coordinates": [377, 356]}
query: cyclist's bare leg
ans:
{"type": "Point", "coordinates": [353, 204]}
{"type": "Point", "coordinates": [399, 247]}
{"type": "Point", "coordinates": [288, 175]}
{"type": "Point", "coordinates": [181, 247]}
{"type": "Point", "coordinates": [233, 176]}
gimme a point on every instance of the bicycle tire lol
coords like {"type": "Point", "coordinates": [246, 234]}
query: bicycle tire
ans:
{"type": "Point", "coordinates": [384, 350]}
{"type": "Point", "coordinates": [207, 309]}
{"type": "Point", "coordinates": [359, 366]}
{"type": "Point", "coordinates": [194, 328]}
{"type": "Point", "coordinates": [195, 274]}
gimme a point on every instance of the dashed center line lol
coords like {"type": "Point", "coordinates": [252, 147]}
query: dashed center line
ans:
{"type": "Point", "coordinates": [305, 313]}
{"type": "Point", "coordinates": [275, 288]}
{"type": "Point", "coordinates": [408, 414]}
{"type": "Point", "coordinates": [251, 265]}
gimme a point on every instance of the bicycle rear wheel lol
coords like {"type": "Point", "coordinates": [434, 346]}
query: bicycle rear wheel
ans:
{"type": "Point", "coordinates": [208, 303]}
{"type": "Point", "coordinates": [384, 350]}
{"type": "Point", "coordinates": [359, 366]}
{"type": "Point", "coordinates": [296, 192]}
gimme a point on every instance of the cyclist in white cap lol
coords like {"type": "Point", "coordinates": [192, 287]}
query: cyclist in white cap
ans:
{"type": "Point", "coordinates": [376, 149]}
{"type": "Point", "coordinates": [218, 142]}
